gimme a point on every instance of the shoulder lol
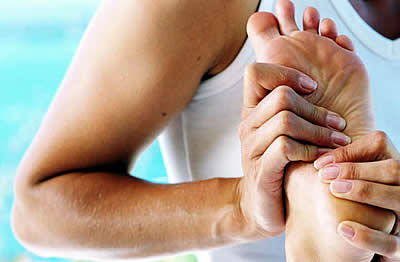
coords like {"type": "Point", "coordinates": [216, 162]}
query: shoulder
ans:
{"type": "Point", "coordinates": [213, 28]}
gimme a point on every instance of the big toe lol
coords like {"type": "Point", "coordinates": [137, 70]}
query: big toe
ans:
{"type": "Point", "coordinates": [286, 18]}
{"type": "Point", "coordinates": [261, 28]}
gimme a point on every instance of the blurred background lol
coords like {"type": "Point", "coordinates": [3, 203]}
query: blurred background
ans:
{"type": "Point", "coordinates": [38, 39]}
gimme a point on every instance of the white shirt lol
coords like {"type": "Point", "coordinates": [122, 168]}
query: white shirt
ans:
{"type": "Point", "coordinates": [202, 142]}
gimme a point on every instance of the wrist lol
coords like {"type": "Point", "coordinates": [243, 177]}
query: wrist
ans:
{"type": "Point", "coordinates": [233, 224]}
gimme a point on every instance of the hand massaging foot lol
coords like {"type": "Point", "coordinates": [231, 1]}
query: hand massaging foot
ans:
{"type": "Point", "coordinates": [312, 212]}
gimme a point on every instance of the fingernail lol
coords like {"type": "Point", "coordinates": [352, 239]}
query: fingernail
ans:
{"type": "Point", "coordinates": [308, 84]}
{"type": "Point", "coordinates": [340, 139]}
{"type": "Point", "coordinates": [335, 122]}
{"type": "Point", "coordinates": [347, 231]}
{"type": "Point", "coordinates": [341, 186]}
{"type": "Point", "coordinates": [329, 173]}
{"type": "Point", "coordinates": [323, 161]}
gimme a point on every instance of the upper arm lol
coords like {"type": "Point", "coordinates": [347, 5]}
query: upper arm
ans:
{"type": "Point", "coordinates": [138, 65]}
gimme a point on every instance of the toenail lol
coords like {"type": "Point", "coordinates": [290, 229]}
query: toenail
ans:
{"type": "Point", "coordinates": [341, 186]}
{"type": "Point", "coordinates": [329, 173]}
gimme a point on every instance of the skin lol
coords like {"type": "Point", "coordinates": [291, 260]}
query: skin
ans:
{"type": "Point", "coordinates": [268, 133]}
{"type": "Point", "coordinates": [344, 90]}
{"type": "Point", "coordinates": [112, 215]}
{"type": "Point", "coordinates": [100, 195]}
{"type": "Point", "coordinates": [372, 166]}
{"type": "Point", "coordinates": [86, 172]}
{"type": "Point", "coordinates": [101, 120]}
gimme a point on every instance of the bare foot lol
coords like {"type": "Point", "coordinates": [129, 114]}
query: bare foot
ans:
{"type": "Point", "coordinates": [343, 85]}
{"type": "Point", "coordinates": [312, 212]}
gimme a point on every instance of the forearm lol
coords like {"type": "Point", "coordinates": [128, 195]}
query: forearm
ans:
{"type": "Point", "coordinates": [116, 216]}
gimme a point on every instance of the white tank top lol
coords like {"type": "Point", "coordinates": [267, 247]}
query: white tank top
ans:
{"type": "Point", "coordinates": [202, 142]}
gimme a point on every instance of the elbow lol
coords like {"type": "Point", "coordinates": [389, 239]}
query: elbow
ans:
{"type": "Point", "coordinates": [23, 225]}
{"type": "Point", "coordinates": [22, 230]}
{"type": "Point", "coordinates": [40, 224]}
{"type": "Point", "coordinates": [26, 222]}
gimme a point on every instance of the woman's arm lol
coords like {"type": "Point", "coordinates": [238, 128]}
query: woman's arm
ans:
{"type": "Point", "coordinates": [138, 65]}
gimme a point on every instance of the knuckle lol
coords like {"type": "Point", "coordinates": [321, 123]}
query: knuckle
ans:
{"type": "Point", "coordinates": [346, 154]}
{"type": "Point", "coordinates": [251, 71]}
{"type": "Point", "coordinates": [380, 140]}
{"type": "Point", "coordinates": [285, 91]}
{"type": "Point", "coordinates": [322, 135]}
{"type": "Point", "coordinates": [342, 154]}
{"type": "Point", "coordinates": [349, 171]}
{"type": "Point", "coordinates": [283, 144]}
{"type": "Point", "coordinates": [321, 114]}
{"type": "Point", "coordinates": [310, 152]}
{"type": "Point", "coordinates": [317, 114]}
{"type": "Point", "coordinates": [286, 119]}
{"type": "Point", "coordinates": [282, 74]}
{"type": "Point", "coordinates": [282, 98]}
{"type": "Point", "coordinates": [363, 191]}
{"type": "Point", "coordinates": [393, 166]}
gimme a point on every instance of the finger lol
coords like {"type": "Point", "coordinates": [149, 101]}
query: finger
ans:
{"type": "Point", "coordinates": [375, 146]}
{"type": "Point", "coordinates": [289, 124]}
{"type": "Point", "coordinates": [311, 20]}
{"type": "Point", "coordinates": [328, 29]}
{"type": "Point", "coordinates": [369, 239]}
{"type": "Point", "coordinates": [379, 195]}
{"type": "Point", "coordinates": [383, 172]}
{"type": "Point", "coordinates": [345, 42]}
{"type": "Point", "coordinates": [260, 78]}
{"type": "Point", "coordinates": [284, 98]}
{"type": "Point", "coordinates": [282, 151]}
{"type": "Point", "coordinates": [270, 173]}
{"type": "Point", "coordinates": [285, 14]}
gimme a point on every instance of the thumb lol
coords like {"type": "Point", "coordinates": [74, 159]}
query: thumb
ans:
{"type": "Point", "coordinates": [261, 78]}
{"type": "Point", "coordinates": [372, 147]}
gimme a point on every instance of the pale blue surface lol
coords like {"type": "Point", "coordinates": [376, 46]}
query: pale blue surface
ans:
{"type": "Point", "coordinates": [37, 42]}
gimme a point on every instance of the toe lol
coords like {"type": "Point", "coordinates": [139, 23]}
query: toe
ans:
{"type": "Point", "coordinates": [345, 42]}
{"type": "Point", "coordinates": [328, 29]}
{"type": "Point", "coordinates": [311, 20]}
{"type": "Point", "coordinates": [262, 27]}
{"type": "Point", "coordinates": [285, 13]}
